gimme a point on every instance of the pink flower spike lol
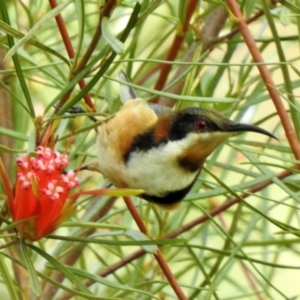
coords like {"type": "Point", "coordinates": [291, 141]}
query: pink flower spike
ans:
{"type": "Point", "coordinates": [42, 193]}
{"type": "Point", "coordinates": [70, 179]}
{"type": "Point", "coordinates": [22, 162]}
{"type": "Point", "coordinates": [61, 160]}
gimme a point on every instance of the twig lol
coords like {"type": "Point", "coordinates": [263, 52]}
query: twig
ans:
{"type": "Point", "coordinates": [106, 11]}
{"type": "Point", "coordinates": [251, 281]}
{"type": "Point", "coordinates": [177, 42]}
{"type": "Point", "coordinates": [109, 270]}
{"type": "Point", "coordinates": [212, 26]}
{"type": "Point", "coordinates": [158, 255]}
{"type": "Point", "coordinates": [266, 76]}
{"type": "Point", "coordinates": [70, 50]}
{"type": "Point", "coordinates": [184, 228]}
{"type": "Point", "coordinates": [50, 289]}
{"type": "Point", "coordinates": [188, 226]}
{"type": "Point", "coordinates": [246, 271]}
{"type": "Point", "coordinates": [236, 30]}
{"type": "Point", "coordinates": [6, 116]}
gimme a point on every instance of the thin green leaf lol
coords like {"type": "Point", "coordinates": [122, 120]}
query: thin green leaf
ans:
{"type": "Point", "coordinates": [105, 282]}
{"type": "Point", "coordinates": [267, 171]}
{"type": "Point", "coordinates": [93, 225]}
{"type": "Point", "coordinates": [58, 266]}
{"type": "Point", "coordinates": [115, 44]}
{"type": "Point", "coordinates": [131, 23]}
{"type": "Point", "coordinates": [139, 236]}
{"type": "Point", "coordinates": [13, 134]}
{"type": "Point", "coordinates": [16, 34]}
{"type": "Point", "coordinates": [49, 16]}
{"type": "Point", "coordinates": [9, 150]}
{"type": "Point", "coordinates": [174, 96]}
{"type": "Point", "coordinates": [109, 192]}
{"type": "Point", "coordinates": [119, 243]}
{"type": "Point", "coordinates": [5, 181]}
{"type": "Point", "coordinates": [284, 69]}
{"type": "Point", "coordinates": [7, 280]}
{"type": "Point", "coordinates": [80, 9]}
{"type": "Point", "coordinates": [34, 282]}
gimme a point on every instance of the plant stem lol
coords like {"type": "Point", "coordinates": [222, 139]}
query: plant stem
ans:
{"type": "Point", "coordinates": [158, 255]}
{"type": "Point", "coordinates": [266, 76]}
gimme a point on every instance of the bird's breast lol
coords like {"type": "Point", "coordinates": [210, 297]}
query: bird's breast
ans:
{"type": "Point", "coordinates": [160, 173]}
{"type": "Point", "coordinates": [134, 151]}
{"type": "Point", "coordinates": [116, 136]}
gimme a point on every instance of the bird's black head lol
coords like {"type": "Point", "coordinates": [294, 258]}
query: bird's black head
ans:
{"type": "Point", "coordinates": [207, 122]}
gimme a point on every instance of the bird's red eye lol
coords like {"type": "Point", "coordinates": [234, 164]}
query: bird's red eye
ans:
{"type": "Point", "coordinates": [201, 125]}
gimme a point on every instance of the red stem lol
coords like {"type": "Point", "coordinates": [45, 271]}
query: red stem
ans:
{"type": "Point", "coordinates": [105, 11]}
{"type": "Point", "coordinates": [158, 255]}
{"type": "Point", "coordinates": [266, 76]}
{"type": "Point", "coordinates": [251, 281]}
{"type": "Point", "coordinates": [244, 267]}
{"type": "Point", "coordinates": [236, 30]}
{"type": "Point", "coordinates": [173, 234]}
{"type": "Point", "coordinates": [69, 47]}
{"type": "Point", "coordinates": [177, 42]}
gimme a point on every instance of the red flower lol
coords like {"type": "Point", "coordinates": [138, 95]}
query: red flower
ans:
{"type": "Point", "coordinates": [41, 194]}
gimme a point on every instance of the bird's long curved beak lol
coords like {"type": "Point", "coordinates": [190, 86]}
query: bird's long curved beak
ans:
{"type": "Point", "coordinates": [235, 127]}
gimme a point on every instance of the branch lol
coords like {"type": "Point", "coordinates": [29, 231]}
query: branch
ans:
{"type": "Point", "coordinates": [105, 12]}
{"type": "Point", "coordinates": [184, 228]}
{"type": "Point", "coordinates": [71, 53]}
{"type": "Point", "coordinates": [177, 42]}
{"type": "Point", "coordinates": [50, 289]}
{"type": "Point", "coordinates": [6, 116]}
{"type": "Point", "coordinates": [213, 24]}
{"type": "Point", "coordinates": [267, 78]}
{"type": "Point", "coordinates": [158, 255]}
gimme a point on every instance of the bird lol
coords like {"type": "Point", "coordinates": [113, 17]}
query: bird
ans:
{"type": "Point", "coordinates": [159, 150]}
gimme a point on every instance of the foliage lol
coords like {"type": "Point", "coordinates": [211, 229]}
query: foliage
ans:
{"type": "Point", "coordinates": [236, 234]}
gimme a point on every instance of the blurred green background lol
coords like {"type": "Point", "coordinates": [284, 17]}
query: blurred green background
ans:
{"type": "Point", "coordinates": [248, 250]}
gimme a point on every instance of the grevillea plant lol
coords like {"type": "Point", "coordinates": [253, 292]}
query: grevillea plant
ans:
{"type": "Point", "coordinates": [41, 200]}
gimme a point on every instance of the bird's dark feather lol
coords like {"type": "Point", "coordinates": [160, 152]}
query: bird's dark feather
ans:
{"type": "Point", "coordinates": [170, 198]}
{"type": "Point", "coordinates": [143, 142]}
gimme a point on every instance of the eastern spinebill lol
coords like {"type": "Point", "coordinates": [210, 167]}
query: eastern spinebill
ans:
{"type": "Point", "coordinates": [161, 151]}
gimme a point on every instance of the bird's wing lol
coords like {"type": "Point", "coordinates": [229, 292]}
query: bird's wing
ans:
{"type": "Point", "coordinates": [126, 92]}
{"type": "Point", "coordinates": [160, 110]}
